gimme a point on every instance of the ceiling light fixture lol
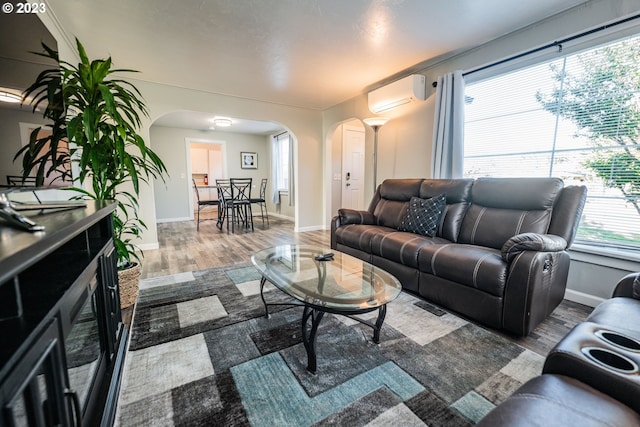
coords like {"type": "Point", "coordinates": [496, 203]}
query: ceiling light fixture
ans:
{"type": "Point", "coordinates": [9, 97]}
{"type": "Point", "coordinates": [223, 123]}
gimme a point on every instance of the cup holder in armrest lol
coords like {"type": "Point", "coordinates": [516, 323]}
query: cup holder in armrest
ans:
{"type": "Point", "coordinates": [602, 358]}
{"type": "Point", "coordinates": [618, 340]}
{"type": "Point", "coordinates": [611, 360]}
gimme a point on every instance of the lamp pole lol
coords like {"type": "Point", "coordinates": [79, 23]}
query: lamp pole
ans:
{"type": "Point", "coordinates": [376, 123]}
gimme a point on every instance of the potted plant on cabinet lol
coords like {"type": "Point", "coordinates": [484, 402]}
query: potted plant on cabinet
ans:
{"type": "Point", "coordinates": [100, 116]}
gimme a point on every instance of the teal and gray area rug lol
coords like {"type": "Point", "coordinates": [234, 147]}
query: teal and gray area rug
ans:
{"type": "Point", "coordinates": [203, 354]}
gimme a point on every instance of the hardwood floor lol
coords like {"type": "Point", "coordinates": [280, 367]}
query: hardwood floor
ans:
{"type": "Point", "coordinates": [182, 249]}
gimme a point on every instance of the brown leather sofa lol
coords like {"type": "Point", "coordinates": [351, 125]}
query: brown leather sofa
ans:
{"type": "Point", "coordinates": [591, 377]}
{"type": "Point", "coordinates": [498, 255]}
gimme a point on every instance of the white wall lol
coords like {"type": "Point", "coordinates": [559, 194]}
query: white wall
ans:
{"type": "Point", "coordinates": [405, 142]}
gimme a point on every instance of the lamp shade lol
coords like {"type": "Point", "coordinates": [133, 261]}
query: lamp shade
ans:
{"type": "Point", "coordinates": [376, 121]}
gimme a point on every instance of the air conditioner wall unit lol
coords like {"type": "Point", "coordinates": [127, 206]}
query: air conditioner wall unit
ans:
{"type": "Point", "coordinates": [403, 91]}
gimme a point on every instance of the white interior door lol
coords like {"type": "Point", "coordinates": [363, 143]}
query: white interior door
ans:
{"type": "Point", "coordinates": [352, 167]}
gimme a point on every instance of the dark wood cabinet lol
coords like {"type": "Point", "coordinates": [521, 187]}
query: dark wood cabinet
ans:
{"type": "Point", "coordinates": [63, 340]}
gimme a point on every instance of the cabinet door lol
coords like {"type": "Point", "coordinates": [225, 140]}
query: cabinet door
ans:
{"type": "Point", "coordinates": [36, 389]}
{"type": "Point", "coordinates": [110, 299]}
{"type": "Point", "coordinates": [199, 160]}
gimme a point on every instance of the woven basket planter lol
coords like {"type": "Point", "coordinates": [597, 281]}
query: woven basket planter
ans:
{"type": "Point", "coordinates": [129, 281]}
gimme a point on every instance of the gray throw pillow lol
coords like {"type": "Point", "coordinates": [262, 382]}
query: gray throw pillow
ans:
{"type": "Point", "coordinates": [423, 216]}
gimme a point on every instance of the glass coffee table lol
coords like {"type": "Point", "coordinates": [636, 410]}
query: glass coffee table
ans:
{"type": "Point", "coordinates": [340, 284]}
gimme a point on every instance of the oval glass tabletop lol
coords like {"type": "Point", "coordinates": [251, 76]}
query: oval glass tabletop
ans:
{"type": "Point", "coordinates": [343, 282]}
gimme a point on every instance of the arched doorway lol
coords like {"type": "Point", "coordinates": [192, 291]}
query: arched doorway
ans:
{"type": "Point", "coordinates": [171, 136]}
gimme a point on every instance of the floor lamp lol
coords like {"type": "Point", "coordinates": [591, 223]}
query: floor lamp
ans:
{"type": "Point", "coordinates": [375, 123]}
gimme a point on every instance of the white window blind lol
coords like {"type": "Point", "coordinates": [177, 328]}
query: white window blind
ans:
{"type": "Point", "coordinates": [577, 118]}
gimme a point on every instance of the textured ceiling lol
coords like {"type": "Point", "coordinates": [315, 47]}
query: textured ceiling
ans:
{"type": "Point", "coordinates": [312, 54]}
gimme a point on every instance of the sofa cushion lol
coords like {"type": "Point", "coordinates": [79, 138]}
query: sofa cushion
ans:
{"type": "Point", "coordinates": [402, 247]}
{"type": "Point", "coordinates": [458, 193]}
{"type": "Point", "coordinates": [394, 196]}
{"type": "Point", "coordinates": [524, 194]}
{"type": "Point", "coordinates": [389, 213]}
{"type": "Point", "coordinates": [423, 216]}
{"type": "Point", "coordinates": [476, 266]}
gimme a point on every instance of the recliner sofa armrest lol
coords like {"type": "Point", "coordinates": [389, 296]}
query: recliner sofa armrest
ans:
{"type": "Point", "coordinates": [628, 286]}
{"type": "Point", "coordinates": [535, 286]}
{"type": "Point", "coordinates": [352, 216]}
{"type": "Point", "coordinates": [532, 242]}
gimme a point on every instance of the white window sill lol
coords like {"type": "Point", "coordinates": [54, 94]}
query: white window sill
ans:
{"type": "Point", "coordinates": [625, 259]}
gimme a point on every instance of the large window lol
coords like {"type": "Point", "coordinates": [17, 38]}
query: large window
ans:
{"type": "Point", "coordinates": [577, 118]}
{"type": "Point", "coordinates": [281, 154]}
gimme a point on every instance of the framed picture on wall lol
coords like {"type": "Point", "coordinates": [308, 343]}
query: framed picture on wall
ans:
{"type": "Point", "coordinates": [248, 160]}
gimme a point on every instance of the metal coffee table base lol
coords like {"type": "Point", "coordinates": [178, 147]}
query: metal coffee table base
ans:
{"type": "Point", "coordinates": [313, 314]}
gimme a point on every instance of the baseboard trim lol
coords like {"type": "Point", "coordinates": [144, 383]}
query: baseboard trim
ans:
{"type": "Point", "coordinates": [278, 215]}
{"type": "Point", "coordinates": [311, 228]}
{"type": "Point", "coordinates": [148, 246]}
{"type": "Point", "coordinates": [582, 298]}
{"type": "Point", "coordinates": [181, 219]}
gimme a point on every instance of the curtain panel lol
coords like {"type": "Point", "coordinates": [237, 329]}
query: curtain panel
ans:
{"type": "Point", "coordinates": [448, 127]}
{"type": "Point", "coordinates": [282, 171]}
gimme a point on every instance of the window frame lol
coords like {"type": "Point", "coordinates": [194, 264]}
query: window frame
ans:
{"type": "Point", "coordinates": [630, 253]}
{"type": "Point", "coordinates": [282, 159]}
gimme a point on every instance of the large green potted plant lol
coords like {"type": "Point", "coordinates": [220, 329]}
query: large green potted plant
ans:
{"type": "Point", "coordinates": [100, 116]}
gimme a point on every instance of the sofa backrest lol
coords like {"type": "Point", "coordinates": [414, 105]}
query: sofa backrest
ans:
{"type": "Point", "coordinates": [503, 207]}
{"type": "Point", "coordinates": [487, 211]}
{"type": "Point", "coordinates": [458, 193]}
{"type": "Point", "coordinates": [567, 211]}
{"type": "Point", "coordinates": [390, 202]}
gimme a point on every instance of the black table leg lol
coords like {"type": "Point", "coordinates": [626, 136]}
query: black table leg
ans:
{"type": "Point", "coordinates": [266, 309]}
{"type": "Point", "coordinates": [382, 312]}
{"type": "Point", "coordinates": [309, 336]}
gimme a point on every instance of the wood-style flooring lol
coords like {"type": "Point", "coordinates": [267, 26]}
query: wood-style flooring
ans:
{"type": "Point", "coordinates": [182, 249]}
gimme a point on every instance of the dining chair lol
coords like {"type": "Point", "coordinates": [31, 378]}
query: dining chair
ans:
{"type": "Point", "coordinates": [17, 180]}
{"type": "Point", "coordinates": [20, 181]}
{"type": "Point", "coordinates": [225, 195]}
{"type": "Point", "coordinates": [262, 201]}
{"type": "Point", "coordinates": [241, 202]}
{"type": "Point", "coordinates": [202, 204]}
